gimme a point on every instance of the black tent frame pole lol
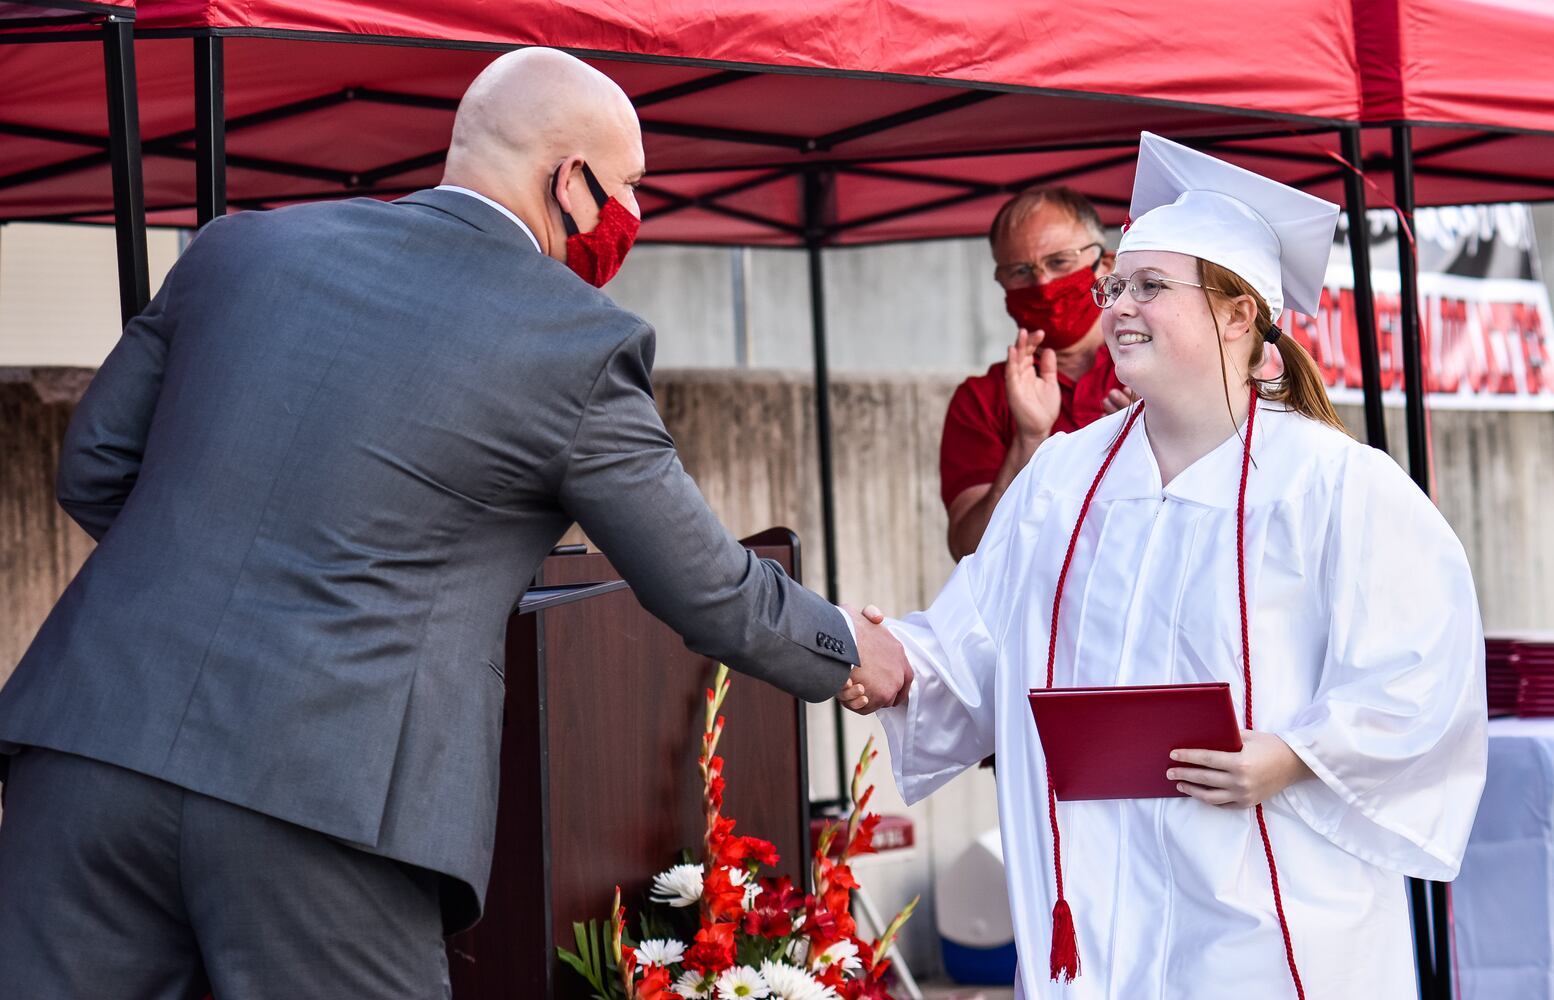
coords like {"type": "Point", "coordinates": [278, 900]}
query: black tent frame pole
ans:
{"type": "Point", "coordinates": [1419, 468]}
{"type": "Point", "coordinates": [1408, 271]}
{"type": "Point", "coordinates": [129, 196]}
{"type": "Point", "coordinates": [817, 187]}
{"type": "Point", "coordinates": [210, 129]}
{"type": "Point", "coordinates": [1364, 293]}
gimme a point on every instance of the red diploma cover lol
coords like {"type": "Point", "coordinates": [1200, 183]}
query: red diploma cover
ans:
{"type": "Point", "coordinates": [1116, 742]}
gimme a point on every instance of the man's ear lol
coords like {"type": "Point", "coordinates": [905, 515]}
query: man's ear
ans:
{"type": "Point", "coordinates": [562, 181]}
{"type": "Point", "coordinates": [1107, 264]}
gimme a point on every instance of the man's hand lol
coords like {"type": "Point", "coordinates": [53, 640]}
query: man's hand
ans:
{"type": "Point", "coordinates": [883, 676]}
{"type": "Point", "coordinates": [1264, 767]}
{"type": "Point", "coordinates": [1031, 380]}
{"type": "Point", "coordinates": [1118, 399]}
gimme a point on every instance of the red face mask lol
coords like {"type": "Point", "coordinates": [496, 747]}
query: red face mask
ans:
{"type": "Point", "coordinates": [1062, 309]}
{"type": "Point", "coordinates": [596, 256]}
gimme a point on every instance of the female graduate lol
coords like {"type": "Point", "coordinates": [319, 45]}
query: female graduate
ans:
{"type": "Point", "coordinates": [1223, 529]}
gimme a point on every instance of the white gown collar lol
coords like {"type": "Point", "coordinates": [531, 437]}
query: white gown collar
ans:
{"type": "Point", "coordinates": [1211, 481]}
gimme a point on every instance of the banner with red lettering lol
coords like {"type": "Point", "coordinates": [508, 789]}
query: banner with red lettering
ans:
{"type": "Point", "coordinates": [1487, 335]}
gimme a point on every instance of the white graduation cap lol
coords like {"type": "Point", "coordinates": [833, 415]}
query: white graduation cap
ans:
{"type": "Point", "coordinates": [1274, 236]}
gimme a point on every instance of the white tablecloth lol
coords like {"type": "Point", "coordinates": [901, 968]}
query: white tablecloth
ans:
{"type": "Point", "coordinates": [1503, 902]}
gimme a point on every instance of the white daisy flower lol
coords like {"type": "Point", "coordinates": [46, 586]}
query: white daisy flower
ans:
{"type": "Point", "coordinates": [742, 983]}
{"type": "Point", "coordinates": [788, 983]}
{"type": "Point", "coordinates": [693, 986]}
{"type": "Point", "coordinates": [842, 952]}
{"type": "Point", "coordinates": [680, 886]}
{"type": "Point", "coordinates": [798, 948]}
{"type": "Point", "coordinates": [662, 952]}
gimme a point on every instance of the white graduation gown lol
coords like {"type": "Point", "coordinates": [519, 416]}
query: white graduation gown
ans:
{"type": "Point", "coordinates": [1367, 658]}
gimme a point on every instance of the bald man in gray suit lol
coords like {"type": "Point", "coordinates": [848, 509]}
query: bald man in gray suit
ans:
{"type": "Point", "coordinates": [254, 748]}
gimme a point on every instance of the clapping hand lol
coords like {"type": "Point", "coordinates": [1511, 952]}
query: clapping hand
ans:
{"type": "Point", "coordinates": [883, 676]}
{"type": "Point", "coordinates": [1031, 381]}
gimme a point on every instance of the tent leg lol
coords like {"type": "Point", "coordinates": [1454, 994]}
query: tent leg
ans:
{"type": "Point", "coordinates": [1439, 988]}
{"type": "Point", "coordinates": [815, 190]}
{"type": "Point", "coordinates": [129, 197]}
{"type": "Point", "coordinates": [1424, 965]}
{"type": "Point", "coordinates": [1440, 917]}
{"type": "Point", "coordinates": [1408, 270]}
{"type": "Point", "coordinates": [210, 129]}
{"type": "Point", "coordinates": [1364, 296]}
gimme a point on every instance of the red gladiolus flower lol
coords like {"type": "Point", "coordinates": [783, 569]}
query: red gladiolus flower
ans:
{"type": "Point", "coordinates": [722, 830]}
{"type": "Point", "coordinates": [724, 900]}
{"type": "Point", "coordinates": [863, 838]}
{"type": "Point", "coordinates": [824, 923]}
{"type": "Point", "coordinates": [713, 950]}
{"type": "Point", "coordinates": [842, 877]}
{"type": "Point", "coordinates": [870, 987]}
{"type": "Point", "coordinates": [655, 985]}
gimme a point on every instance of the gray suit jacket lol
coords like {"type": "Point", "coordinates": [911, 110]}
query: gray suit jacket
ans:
{"type": "Point", "coordinates": [322, 466]}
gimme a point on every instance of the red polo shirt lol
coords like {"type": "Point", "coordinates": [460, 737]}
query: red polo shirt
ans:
{"type": "Point", "coordinates": [978, 429]}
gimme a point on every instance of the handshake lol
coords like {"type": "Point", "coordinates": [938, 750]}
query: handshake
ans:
{"type": "Point", "coordinates": [883, 676]}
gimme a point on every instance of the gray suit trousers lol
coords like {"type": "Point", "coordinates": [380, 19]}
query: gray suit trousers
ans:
{"type": "Point", "coordinates": [118, 886]}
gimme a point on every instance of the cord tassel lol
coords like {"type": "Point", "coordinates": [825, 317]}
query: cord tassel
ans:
{"type": "Point", "coordinates": [1065, 944]}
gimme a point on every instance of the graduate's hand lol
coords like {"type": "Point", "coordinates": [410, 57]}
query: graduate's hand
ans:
{"type": "Point", "coordinates": [856, 695]}
{"type": "Point", "coordinates": [883, 676]}
{"type": "Point", "coordinates": [1265, 767]}
{"type": "Point", "coordinates": [1031, 381]}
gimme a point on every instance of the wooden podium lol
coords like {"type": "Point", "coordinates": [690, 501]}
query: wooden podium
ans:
{"type": "Point", "coordinates": [600, 785]}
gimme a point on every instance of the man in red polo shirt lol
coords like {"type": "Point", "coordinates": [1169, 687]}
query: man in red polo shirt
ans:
{"type": "Point", "coordinates": [1049, 247]}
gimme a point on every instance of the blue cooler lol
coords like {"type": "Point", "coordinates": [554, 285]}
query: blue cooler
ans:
{"type": "Point", "coordinates": [971, 911]}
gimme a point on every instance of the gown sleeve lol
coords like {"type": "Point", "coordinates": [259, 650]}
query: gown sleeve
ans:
{"type": "Point", "coordinates": [947, 724]}
{"type": "Point", "coordinates": [1397, 732]}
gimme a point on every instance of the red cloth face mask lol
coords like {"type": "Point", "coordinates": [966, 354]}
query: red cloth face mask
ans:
{"type": "Point", "coordinates": [1062, 309]}
{"type": "Point", "coordinates": [596, 256]}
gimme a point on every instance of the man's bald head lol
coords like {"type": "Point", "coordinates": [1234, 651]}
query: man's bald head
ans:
{"type": "Point", "coordinates": [531, 111]}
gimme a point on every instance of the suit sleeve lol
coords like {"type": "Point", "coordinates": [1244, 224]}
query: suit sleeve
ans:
{"type": "Point", "coordinates": [101, 454]}
{"type": "Point", "coordinates": [623, 483]}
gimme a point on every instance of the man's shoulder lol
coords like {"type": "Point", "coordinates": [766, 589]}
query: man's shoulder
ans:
{"type": "Point", "coordinates": [983, 394]}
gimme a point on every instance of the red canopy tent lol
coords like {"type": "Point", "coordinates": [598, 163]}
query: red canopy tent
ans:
{"type": "Point", "coordinates": [925, 117]}
{"type": "Point", "coordinates": [769, 124]}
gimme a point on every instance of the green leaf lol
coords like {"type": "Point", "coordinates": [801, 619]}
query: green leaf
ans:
{"type": "Point", "coordinates": [588, 960]}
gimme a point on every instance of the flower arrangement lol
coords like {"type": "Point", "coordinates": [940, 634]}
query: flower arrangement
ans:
{"type": "Point", "coordinates": [718, 930]}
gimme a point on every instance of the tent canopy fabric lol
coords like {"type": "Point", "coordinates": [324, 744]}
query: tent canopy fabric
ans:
{"type": "Point", "coordinates": [1482, 62]}
{"type": "Point", "coordinates": [910, 120]}
{"type": "Point", "coordinates": [1152, 50]}
{"type": "Point", "coordinates": [27, 15]}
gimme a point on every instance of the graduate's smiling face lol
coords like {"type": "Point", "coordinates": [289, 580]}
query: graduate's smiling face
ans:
{"type": "Point", "coordinates": [1166, 345]}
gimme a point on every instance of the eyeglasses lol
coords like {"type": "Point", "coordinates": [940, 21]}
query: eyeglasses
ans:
{"type": "Point", "coordinates": [1054, 265]}
{"type": "Point", "coordinates": [1143, 285]}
